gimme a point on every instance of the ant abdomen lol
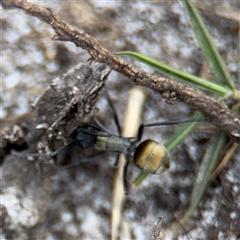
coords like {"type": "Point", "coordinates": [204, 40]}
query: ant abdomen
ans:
{"type": "Point", "coordinates": [151, 157]}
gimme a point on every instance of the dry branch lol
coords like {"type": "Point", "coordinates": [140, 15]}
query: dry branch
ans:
{"type": "Point", "coordinates": [169, 89]}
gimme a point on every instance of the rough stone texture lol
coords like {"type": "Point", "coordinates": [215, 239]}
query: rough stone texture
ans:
{"type": "Point", "coordinates": [76, 203]}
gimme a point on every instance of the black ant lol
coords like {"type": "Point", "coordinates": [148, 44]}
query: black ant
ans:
{"type": "Point", "coordinates": [149, 155]}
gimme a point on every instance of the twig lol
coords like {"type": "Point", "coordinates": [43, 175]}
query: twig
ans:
{"type": "Point", "coordinates": [158, 228]}
{"type": "Point", "coordinates": [169, 89]}
{"type": "Point", "coordinates": [132, 119]}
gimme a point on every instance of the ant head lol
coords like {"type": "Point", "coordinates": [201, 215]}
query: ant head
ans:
{"type": "Point", "coordinates": [151, 157]}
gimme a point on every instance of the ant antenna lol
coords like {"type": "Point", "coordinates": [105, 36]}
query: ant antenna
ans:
{"type": "Point", "coordinates": [114, 113]}
{"type": "Point", "coordinates": [101, 126]}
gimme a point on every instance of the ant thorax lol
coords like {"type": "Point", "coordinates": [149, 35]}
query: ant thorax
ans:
{"type": "Point", "coordinates": [117, 144]}
{"type": "Point", "coordinates": [88, 136]}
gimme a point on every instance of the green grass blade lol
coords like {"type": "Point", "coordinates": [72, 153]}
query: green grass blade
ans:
{"type": "Point", "coordinates": [208, 165]}
{"type": "Point", "coordinates": [176, 74]}
{"type": "Point", "coordinates": [208, 47]}
{"type": "Point", "coordinates": [176, 139]}
{"type": "Point", "coordinates": [140, 177]}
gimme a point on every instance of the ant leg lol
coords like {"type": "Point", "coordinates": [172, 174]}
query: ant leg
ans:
{"type": "Point", "coordinates": [140, 131]}
{"type": "Point", "coordinates": [60, 149]}
{"type": "Point", "coordinates": [125, 182]}
{"type": "Point", "coordinates": [115, 119]}
{"type": "Point", "coordinates": [171, 122]}
{"type": "Point", "coordinates": [165, 123]}
{"type": "Point", "coordinates": [81, 162]}
{"type": "Point", "coordinates": [116, 162]}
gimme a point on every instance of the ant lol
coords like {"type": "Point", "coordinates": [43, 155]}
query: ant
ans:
{"type": "Point", "coordinates": [149, 155]}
